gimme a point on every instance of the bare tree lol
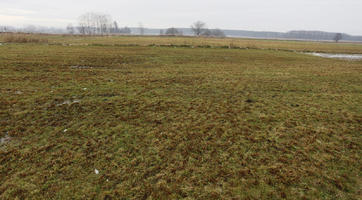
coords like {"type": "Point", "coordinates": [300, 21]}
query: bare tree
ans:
{"type": "Point", "coordinates": [141, 29]}
{"type": "Point", "coordinates": [105, 24]}
{"type": "Point", "coordinates": [70, 29]}
{"type": "Point", "coordinates": [173, 31]}
{"type": "Point", "coordinates": [206, 32]}
{"type": "Point", "coordinates": [30, 29]}
{"type": "Point", "coordinates": [82, 29]}
{"type": "Point", "coordinates": [95, 23]}
{"type": "Point", "coordinates": [115, 27]}
{"type": "Point", "coordinates": [212, 33]}
{"type": "Point", "coordinates": [125, 30]}
{"type": "Point", "coordinates": [217, 33]}
{"type": "Point", "coordinates": [338, 37]}
{"type": "Point", "coordinates": [86, 24]}
{"type": "Point", "coordinates": [4, 29]}
{"type": "Point", "coordinates": [198, 28]}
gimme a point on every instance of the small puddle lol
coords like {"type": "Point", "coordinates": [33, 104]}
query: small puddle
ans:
{"type": "Point", "coordinates": [338, 56]}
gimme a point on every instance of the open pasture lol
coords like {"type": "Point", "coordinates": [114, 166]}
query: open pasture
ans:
{"type": "Point", "coordinates": [178, 122]}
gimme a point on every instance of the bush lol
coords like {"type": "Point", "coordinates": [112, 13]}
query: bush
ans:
{"type": "Point", "coordinates": [23, 38]}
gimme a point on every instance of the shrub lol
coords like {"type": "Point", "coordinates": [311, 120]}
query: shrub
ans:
{"type": "Point", "coordinates": [23, 38]}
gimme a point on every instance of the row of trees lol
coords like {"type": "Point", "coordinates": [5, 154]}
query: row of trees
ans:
{"type": "Point", "coordinates": [32, 29]}
{"type": "Point", "coordinates": [313, 35]}
{"type": "Point", "coordinates": [172, 31]}
{"type": "Point", "coordinates": [198, 29]}
{"type": "Point", "coordinates": [102, 24]}
{"type": "Point", "coordinates": [97, 24]}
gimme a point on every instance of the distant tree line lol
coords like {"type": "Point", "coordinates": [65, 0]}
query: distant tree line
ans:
{"type": "Point", "coordinates": [94, 24]}
{"type": "Point", "coordinates": [102, 24]}
{"type": "Point", "coordinates": [173, 32]}
{"type": "Point", "coordinates": [97, 24]}
{"type": "Point", "coordinates": [315, 35]}
{"type": "Point", "coordinates": [198, 29]}
{"type": "Point", "coordinates": [32, 29]}
{"type": "Point", "coordinates": [338, 37]}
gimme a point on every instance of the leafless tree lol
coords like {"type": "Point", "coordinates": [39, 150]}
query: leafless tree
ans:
{"type": "Point", "coordinates": [105, 24]}
{"type": "Point", "coordinates": [206, 33]}
{"type": "Point", "coordinates": [213, 33]}
{"type": "Point", "coordinates": [86, 24]}
{"type": "Point", "coordinates": [95, 24]}
{"type": "Point", "coordinates": [173, 31]}
{"type": "Point", "coordinates": [115, 28]}
{"type": "Point", "coordinates": [125, 30]}
{"type": "Point", "coordinates": [141, 29]}
{"type": "Point", "coordinates": [82, 29]}
{"type": "Point", "coordinates": [217, 33]}
{"type": "Point", "coordinates": [198, 28]}
{"type": "Point", "coordinates": [338, 37]}
{"type": "Point", "coordinates": [30, 29]}
{"type": "Point", "coordinates": [4, 29]}
{"type": "Point", "coordinates": [70, 29]}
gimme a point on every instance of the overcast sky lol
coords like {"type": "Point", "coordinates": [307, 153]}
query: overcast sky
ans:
{"type": "Point", "coordinates": [259, 15]}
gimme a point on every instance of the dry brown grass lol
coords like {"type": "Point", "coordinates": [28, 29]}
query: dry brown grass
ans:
{"type": "Point", "coordinates": [280, 45]}
{"type": "Point", "coordinates": [23, 38]}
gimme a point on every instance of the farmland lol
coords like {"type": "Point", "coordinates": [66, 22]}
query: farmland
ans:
{"type": "Point", "coordinates": [178, 118]}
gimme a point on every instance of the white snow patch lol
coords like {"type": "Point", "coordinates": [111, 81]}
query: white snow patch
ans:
{"type": "Point", "coordinates": [338, 56]}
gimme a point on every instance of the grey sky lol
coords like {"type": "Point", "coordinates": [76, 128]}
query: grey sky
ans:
{"type": "Point", "coordinates": [262, 15]}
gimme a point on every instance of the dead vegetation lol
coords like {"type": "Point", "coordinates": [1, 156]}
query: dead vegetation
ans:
{"type": "Point", "coordinates": [23, 38]}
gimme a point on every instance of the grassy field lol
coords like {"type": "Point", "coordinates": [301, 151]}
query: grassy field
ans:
{"type": "Point", "coordinates": [158, 122]}
{"type": "Point", "coordinates": [299, 46]}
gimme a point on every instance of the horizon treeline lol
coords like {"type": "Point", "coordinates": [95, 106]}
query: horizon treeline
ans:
{"type": "Point", "coordinates": [102, 24]}
{"type": "Point", "coordinates": [92, 23]}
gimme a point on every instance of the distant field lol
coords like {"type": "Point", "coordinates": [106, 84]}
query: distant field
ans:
{"type": "Point", "coordinates": [178, 123]}
{"type": "Point", "coordinates": [301, 46]}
